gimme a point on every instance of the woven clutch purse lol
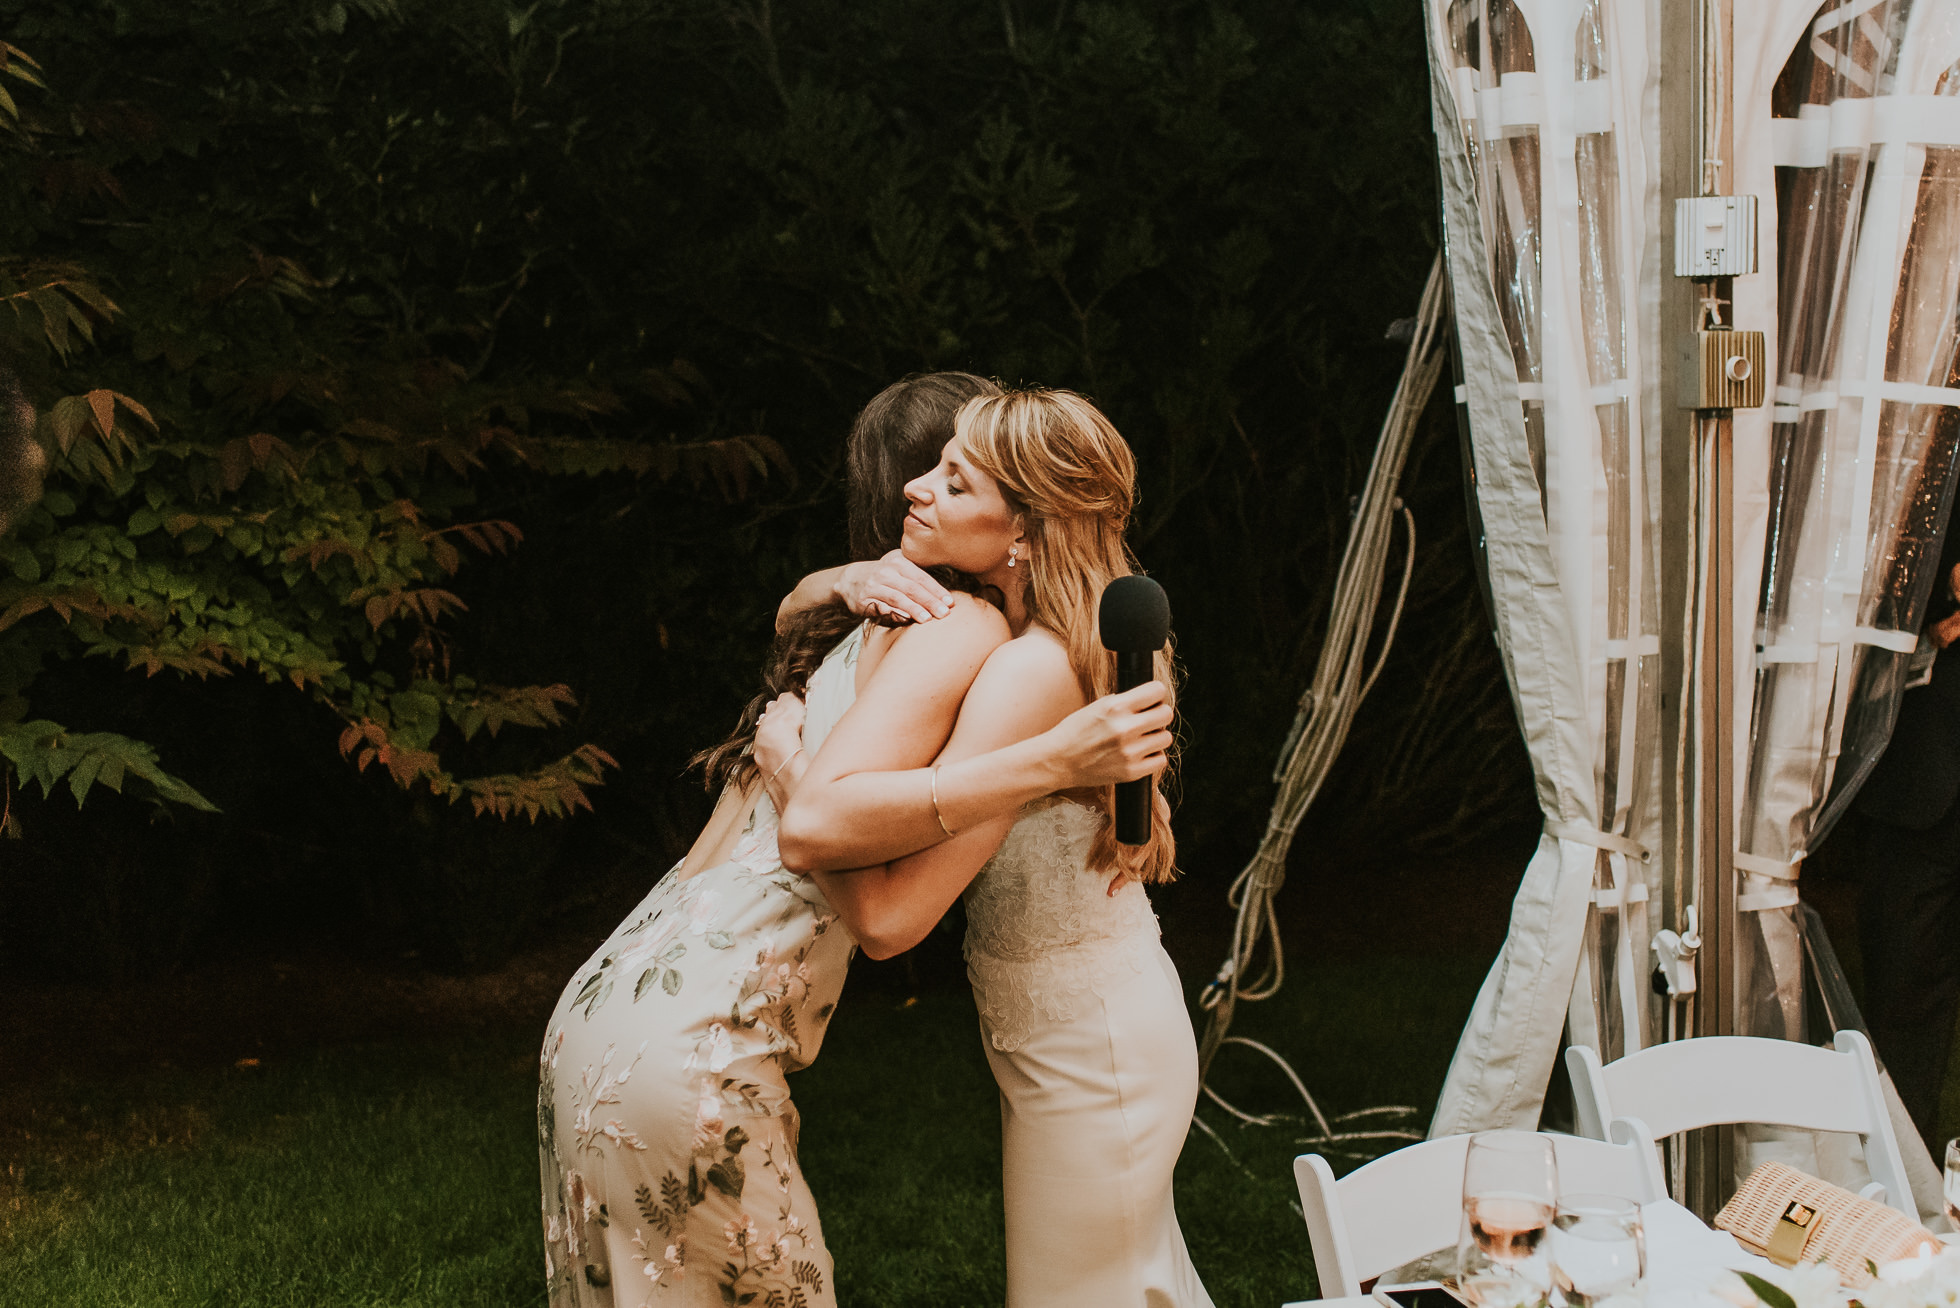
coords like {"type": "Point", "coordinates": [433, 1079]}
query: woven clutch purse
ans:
{"type": "Point", "coordinates": [1791, 1218]}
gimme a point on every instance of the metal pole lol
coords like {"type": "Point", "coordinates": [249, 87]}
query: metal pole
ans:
{"type": "Point", "coordinates": [1696, 559]}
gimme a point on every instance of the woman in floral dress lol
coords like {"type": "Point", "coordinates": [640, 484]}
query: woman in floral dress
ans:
{"type": "Point", "coordinates": [667, 1136]}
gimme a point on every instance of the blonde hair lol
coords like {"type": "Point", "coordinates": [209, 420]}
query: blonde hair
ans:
{"type": "Point", "coordinates": [1065, 469]}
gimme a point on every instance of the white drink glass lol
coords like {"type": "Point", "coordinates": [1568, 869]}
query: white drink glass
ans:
{"type": "Point", "coordinates": [1599, 1250]}
{"type": "Point", "coordinates": [1510, 1184]}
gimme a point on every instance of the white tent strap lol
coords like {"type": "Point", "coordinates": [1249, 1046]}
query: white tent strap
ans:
{"type": "Point", "coordinates": [1791, 404]}
{"type": "Point", "coordinates": [1853, 123]}
{"type": "Point", "coordinates": [1845, 13]}
{"type": "Point", "coordinates": [1519, 102]}
{"type": "Point", "coordinates": [1762, 900]}
{"type": "Point", "coordinates": [1598, 396]}
{"type": "Point", "coordinates": [1781, 892]}
{"type": "Point", "coordinates": [1758, 865]}
{"type": "Point", "coordinates": [1584, 833]}
{"type": "Point", "coordinates": [1806, 651]}
{"type": "Point", "coordinates": [1614, 898]}
{"type": "Point", "coordinates": [1645, 646]}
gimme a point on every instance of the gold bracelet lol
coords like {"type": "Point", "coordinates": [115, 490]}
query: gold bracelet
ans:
{"type": "Point", "coordinates": [785, 763]}
{"type": "Point", "coordinates": [933, 780]}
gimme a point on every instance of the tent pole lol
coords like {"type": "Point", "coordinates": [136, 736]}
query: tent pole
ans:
{"type": "Point", "coordinates": [1697, 556]}
{"type": "Point", "coordinates": [1710, 1155]}
{"type": "Point", "coordinates": [1679, 168]}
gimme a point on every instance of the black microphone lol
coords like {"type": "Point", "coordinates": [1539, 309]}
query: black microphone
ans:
{"type": "Point", "coordinates": [1135, 617]}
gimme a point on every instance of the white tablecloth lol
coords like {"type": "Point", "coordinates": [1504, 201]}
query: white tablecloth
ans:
{"type": "Point", "coordinates": [1684, 1257]}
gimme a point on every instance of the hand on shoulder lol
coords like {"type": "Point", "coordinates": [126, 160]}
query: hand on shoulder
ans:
{"type": "Point", "coordinates": [970, 623]}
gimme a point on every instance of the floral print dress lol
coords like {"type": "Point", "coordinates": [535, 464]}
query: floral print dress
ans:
{"type": "Point", "coordinates": [666, 1135]}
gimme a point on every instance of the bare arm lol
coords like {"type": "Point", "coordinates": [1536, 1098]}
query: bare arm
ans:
{"type": "Point", "coordinates": [893, 590]}
{"type": "Point", "coordinates": [1026, 688]}
{"type": "Point", "coordinates": [817, 588]}
{"type": "Point", "coordinates": [863, 820]}
{"type": "Point", "coordinates": [904, 714]}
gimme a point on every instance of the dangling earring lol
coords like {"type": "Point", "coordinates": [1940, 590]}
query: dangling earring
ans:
{"type": "Point", "coordinates": [1010, 556]}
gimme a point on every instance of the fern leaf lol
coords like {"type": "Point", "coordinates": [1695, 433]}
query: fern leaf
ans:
{"type": "Point", "coordinates": [47, 753]}
{"type": "Point", "coordinates": [429, 605]}
{"type": "Point", "coordinates": [555, 790]}
{"type": "Point", "coordinates": [492, 708]}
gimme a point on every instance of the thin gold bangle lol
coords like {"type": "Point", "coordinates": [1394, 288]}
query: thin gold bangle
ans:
{"type": "Point", "coordinates": [933, 781]}
{"type": "Point", "coordinates": [785, 763]}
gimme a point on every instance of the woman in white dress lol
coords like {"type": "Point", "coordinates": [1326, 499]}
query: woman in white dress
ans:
{"type": "Point", "coordinates": [1081, 1010]}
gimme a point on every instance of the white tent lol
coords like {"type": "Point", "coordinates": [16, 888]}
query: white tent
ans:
{"type": "Point", "coordinates": [1842, 121]}
{"type": "Point", "coordinates": [1550, 212]}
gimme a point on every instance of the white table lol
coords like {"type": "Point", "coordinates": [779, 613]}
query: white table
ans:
{"type": "Point", "coordinates": [1683, 1259]}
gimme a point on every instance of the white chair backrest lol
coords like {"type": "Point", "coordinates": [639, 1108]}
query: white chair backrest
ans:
{"type": "Point", "coordinates": [1409, 1203]}
{"type": "Point", "coordinates": [1713, 1080]}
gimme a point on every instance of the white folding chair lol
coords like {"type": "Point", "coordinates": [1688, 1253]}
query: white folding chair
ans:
{"type": "Point", "coordinates": [1409, 1203]}
{"type": "Point", "coordinates": [1716, 1080]}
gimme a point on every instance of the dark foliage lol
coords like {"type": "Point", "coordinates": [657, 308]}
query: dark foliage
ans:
{"type": "Point", "coordinates": [673, 246]}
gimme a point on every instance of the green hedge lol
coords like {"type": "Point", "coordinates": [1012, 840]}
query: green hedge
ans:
{"type": "Point", "coordinates": [376, 289]}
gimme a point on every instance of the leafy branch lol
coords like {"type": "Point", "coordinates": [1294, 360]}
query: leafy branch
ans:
{"type": "Point", "coordinates": [48, 753]}
{"type": "Point", "coordinates": [291, 495]}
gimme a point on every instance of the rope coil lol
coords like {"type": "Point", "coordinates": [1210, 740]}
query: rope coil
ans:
{"type": "Point", "coordinates": [1342, 679]}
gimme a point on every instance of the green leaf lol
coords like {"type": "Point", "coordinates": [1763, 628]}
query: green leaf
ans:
{"type": "Point", "coordinates": [144, 521]}
{"type": "Point", "coordinates": [1772, 1295]}
{"type": "Point", "coordinates": [417, 717]}
{"type": "Point", "coordinates": [21, 559]}
{"type": "Point", "coordinates": [84, 776]}
{"type": "Point", "coordinates": [729, 1176]}
{"type": "Point", "coordinates": [645, 983]}
{"type": "Point", "coordinates": [720, 940]}
{"type": "Point", "coordinates": [45, 752]}
{"type": "Point", "coordinates": [670, 981]}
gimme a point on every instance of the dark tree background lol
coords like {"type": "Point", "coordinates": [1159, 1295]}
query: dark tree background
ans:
{"type": "Point", "coordinates": [668, 247]}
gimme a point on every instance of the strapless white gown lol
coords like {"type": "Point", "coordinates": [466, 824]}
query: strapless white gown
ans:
{"type": "Point", "coordinates": [1086, 1030]}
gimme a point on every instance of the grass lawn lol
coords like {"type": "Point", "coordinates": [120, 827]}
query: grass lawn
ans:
{"type": "Point", "coordinates": [405, 1174]}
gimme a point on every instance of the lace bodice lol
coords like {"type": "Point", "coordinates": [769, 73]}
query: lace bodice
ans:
{"type": "Point", "coordinates": [1041, 927]}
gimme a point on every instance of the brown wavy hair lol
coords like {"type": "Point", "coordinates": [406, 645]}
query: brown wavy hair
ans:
{"type": "Point", "coordinates": [1064, 468]}
{"type": "Point", "coordinates": [896, 438]}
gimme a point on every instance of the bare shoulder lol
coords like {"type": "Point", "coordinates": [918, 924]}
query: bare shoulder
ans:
{"type": "Point", "coordinates": [1026, 686]}
{"type": "Point", "coordinates": [974, 611]}
{"type": "Point", "coordinates": [1035, 660]}
{"type": "Point", "coordinates": [973, 621]}
{"type": "Point", "coordinates": [965, 635]}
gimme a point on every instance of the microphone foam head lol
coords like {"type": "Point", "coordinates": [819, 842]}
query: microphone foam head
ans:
{"type": "Point", "coordinates": [1135, 615]}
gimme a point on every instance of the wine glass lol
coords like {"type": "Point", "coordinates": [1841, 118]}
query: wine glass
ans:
{"type": "Point", "coordinates": [1599, 1249]}
{"type": "Point", "coordinates": [1950, 1192]}
{"type": "Point", "coordinates": [1510, 1184]}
